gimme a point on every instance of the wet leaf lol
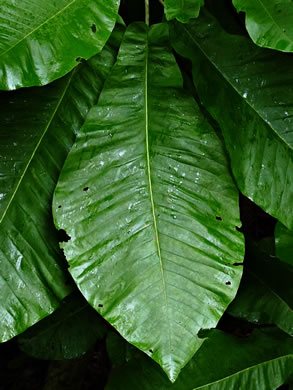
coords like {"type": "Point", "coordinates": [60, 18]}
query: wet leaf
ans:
{"type": "Point", "coordinates": [144, 195]}
{"type": "Point", "coordinates": [248, 90]}
{"type": "Point", "coordinates": [38, 129]}
{"type": "Point", "coordinates": [43, 40]}
{"type": "Point", "coordinates": [269, 22]}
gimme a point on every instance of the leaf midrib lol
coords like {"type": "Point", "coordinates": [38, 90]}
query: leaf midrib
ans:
{"type": "Point", "coordinates": [235, 89]}
{"type": "Point", "coordinates": [157, 240]}
{"type": "Point", "coordinates": [37, 28]}
{"type": "Point", "coordinates": [38, 145]}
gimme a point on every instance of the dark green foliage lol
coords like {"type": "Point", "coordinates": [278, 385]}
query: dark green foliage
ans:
{"type": "Point", "coordinates": [138, 155]}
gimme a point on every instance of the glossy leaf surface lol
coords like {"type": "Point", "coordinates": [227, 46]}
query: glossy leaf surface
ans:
{"type": "Point", "coordinates": [263, 361]}
{"type": "Point", "coordinates": [284, 243]}
{"type": "Point", "coordinates": [182, 10]}
{"type": "Point", "coordinates": [143, 196]}
{"type": "Point", "coordinates": [41, 41]}
{"type": "Point", "coordinates": [38, 129]}
{"type": "Point", "coordinates": [66, 334]}
{"type": "Point", "coordinates": [249, 93]}
{"type": "Point", "coordinates": [269, 22]}
{"type": "Point", "coordinates": [265, 295]}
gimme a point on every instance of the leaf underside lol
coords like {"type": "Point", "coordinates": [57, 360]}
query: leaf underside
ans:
{"type": "Point", "coordinates": [41, 41]}
{"type": "Point", "coordinates": [143, 197]}
{"type": "Point", "coordinates": [248, 92]}
{"type": "Point", "coordinates": [35, 143]}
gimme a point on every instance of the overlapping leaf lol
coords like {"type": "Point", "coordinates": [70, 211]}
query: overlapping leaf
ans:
{"type": "Point", "coordinates": [263, 361]}
{"type": "Point", "coordinates": [284, 243]}
{"type": "Point", "coordinates": [41, 41]}
{"type": "Point", "coordinates": [38, 129]}
{"type": "Point", "coordinates": [265, 295]}
{"type": "Point", "coordinates": [182, 10]}
{"type": "Point", "coordinates": [148, 202]}
{"type": "Point", "coordinates": [67, 333]}
{"type": "Point", "coordinates": [248, 90]}
{"type": "Point", "coordinates": [269, 22]}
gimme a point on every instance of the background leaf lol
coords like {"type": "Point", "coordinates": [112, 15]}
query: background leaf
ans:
{"type": "Point", "coordinates": [284, 243]}
{"type": "Point", "coordinates": [269, 22]}
{"type": "Point", "coordinates": [249, 93]}
{"type": "Point", "coordinates": [43, 40]}
{"type": "Point", "coordinates": [38, 129]}
{"type": "Point", "coordinates": [182, 10]}
{"type": "Point", "coordinates": [265, 295]}
{"type": "Point", "coordinates": [67, 333]}
{"type": "Point", "coordinates": [144, 196]}
{"type": "Point", "coordinates": [263, 361]}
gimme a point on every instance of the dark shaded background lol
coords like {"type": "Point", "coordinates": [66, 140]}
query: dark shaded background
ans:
{"type": "Point", "coordinates": [21, 372]}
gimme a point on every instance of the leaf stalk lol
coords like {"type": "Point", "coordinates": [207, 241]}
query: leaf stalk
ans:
{"type": "Point", "coordinates": [147, 12]}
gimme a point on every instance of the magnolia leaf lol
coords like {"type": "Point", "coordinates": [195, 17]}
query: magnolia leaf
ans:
{"type": "Point", "coordinates": [269, 22]}
{"type": "Point", "coordinates": [43, 40]}
{"type": "Point", "coordinates": [265, 295]}
{"type": "Point", "coordinates": [66, 334]}
{"type": "Point", "coordinates": [38, 129]}
{"type": "Point", "coordinates": [249, 93]}
{"type": "Point", "coordinates": [263, 361]}
{"type": "Point", "coordinates": [150, 207]}
{"type": "Point", "coordinates": [284, 243]}
{"type": "Point", "coordinates": [182, 10]}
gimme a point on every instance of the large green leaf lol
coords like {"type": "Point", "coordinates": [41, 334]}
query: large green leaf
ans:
{"type": "Point", "coordinates": [182, 10]}
{"type": "Point", "coordinates": [248, 90]}
{"type": "Point", "coordinates": [38, 129]}
{"type": "Point", "coordinates": [148, 201]}
{"type": "Point", "coordinates": [66, 334]}
{"type": "Point", "coordinates": [265, 295]}
{"type": "Point", "coordinates": [263, 361]}
{"type": "Point", "coordinates": [284, 243]}
{"type": "Point", "coordinates": [41, 41]}
{"type": "Point", "coordinates": [269, 22]}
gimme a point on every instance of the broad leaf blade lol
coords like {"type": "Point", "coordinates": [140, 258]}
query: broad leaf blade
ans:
{"type": "Point", "coordinates": [42, 40]}
{"type": "Point", "coordinates": [249, 93]}
{"type": "Point", "coordinates": [144, 196]}
{"type": "Point", "coordinates": [269, 22]}
{"type": "Point", "coordinates": [66, 334]}
{"type": "Point", "coordinates": [38, 129]}
{"type": "Point", "coordinates": [263, 361]}
{"type": "Point", "coordinates": [265, 295]}
{"type": "Point", "coordinates": [182, 10]}
{"type": "Point", "coordinates": [284, 243]}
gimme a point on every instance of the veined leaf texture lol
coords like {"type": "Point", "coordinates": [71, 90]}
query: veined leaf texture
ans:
{"type": "Point", "coordinates": [269, 22]}
{"type": "Point", "coordinates": [33, 146]}
{"type": "Point", "coordinates": [143, 197]}
{"type": "Point", "coordinates": [248, 92]}
{"type": "Point", "coordinates": [41, 41]}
